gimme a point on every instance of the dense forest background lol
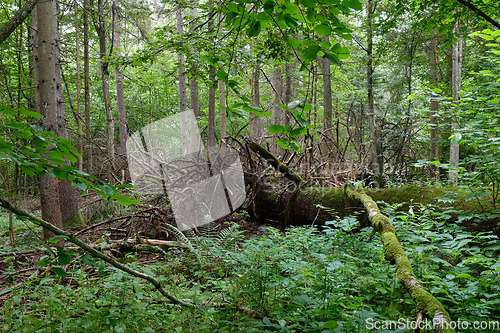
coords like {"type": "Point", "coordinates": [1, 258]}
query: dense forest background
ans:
{"type": "Point", "coordinates": [399, 99]}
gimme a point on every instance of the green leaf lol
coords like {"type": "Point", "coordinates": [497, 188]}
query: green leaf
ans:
{"type": "Point", "coordinates": [293, 42]}
{"type": "Point", "coordinates": [308, 3]}
{"type": "Point", "coordinates": [291, 22]}
{"type": "Point", "coordinates": [124, 200]}
{"type": "Point", "coordinates": [106, 188]}
{"type": "Point", "coordinates": [61, 174]}
{"type": "Point", "coordinates": [30, 113]}
{"type": "Point", "coordinates": [310, 53]}
{"type": "Point", "coordinates": [63, 259]}
{"type": "Point", "coordinates": [80, 185]}
{"type": "Point", "coordinates": [59, 271]}
{"type": "Point", "coordinates": [230, 17]}
{"type": "Point", "coordinates": [269, 5]}
{"type": "Point", "coordinates": [334, 59]}
{"type": "Point", "coordinates": [437, 90]}
{"type": "Point", "coordinates": [290, 8]}
{"type": "Point", "coordinates": [354, 4]}
{"type": "Point", "coordinates": [283, 143]}
{"type": "Point", "coordinates": [264, 16]}
{"type": "Point", "coordinates": [323, 30]}
{"type": "Point", "coordinates": [222, 75]}
{"type": "Point", "coordinates": [88, 260]}
{"type": "Point", "coordinates": [275, 129]}
{"type": "Point", "coordinates": [6, 111]}
{"type": "Point", "coordinates": [299, 131]}
{"type": "Point", "coordinates": [254, 29]}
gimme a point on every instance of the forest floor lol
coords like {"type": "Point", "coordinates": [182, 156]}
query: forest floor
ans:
{"type": "Point", "coordinates": [299, 279]}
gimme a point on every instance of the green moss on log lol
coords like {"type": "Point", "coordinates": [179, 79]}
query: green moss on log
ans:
{"type": "Point", "coordinates": [394, 253]}
{"type": "Point", "coordinates": [75, 221]}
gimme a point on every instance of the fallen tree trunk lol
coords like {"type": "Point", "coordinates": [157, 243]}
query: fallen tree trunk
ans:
{"type": "Point", "coordinates": [295, 203]}
{"type": "Point", "coordinates": [292, 206]}
{"type": "Point", "coordinates": [394, 253]}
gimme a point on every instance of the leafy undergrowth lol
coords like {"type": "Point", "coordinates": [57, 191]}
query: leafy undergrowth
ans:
{"type": "Point", "coordinates": [306, 279]}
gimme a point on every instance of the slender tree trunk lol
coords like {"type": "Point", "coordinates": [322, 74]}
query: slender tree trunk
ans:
{"type": "Point", "coordinates": [44, 54]}
{"type": "Point", "coordinates": [434, 106]}
{"type": "Point", "coordinates": [222, 102]}
{"type": "Point", "coordinates": [327, 107]}
{"type": "Point", "coordinates": [455, 88]}
{"type": "Point", "coordinates": [110, 124]}
{"type": "Point", "coordinates": [278, 113]}
{"type": "Point", "coordinates": [78, 89]}
{"type": "Point", "coordinates": [182, 77]}
{"type": "Point", "coordinates": [194, 93]}
{"type": "Point", "coordinates": [255, 127]}
{"type": "Point", "coordinates": [377, 159]}
{"type": "Point", "coordinates": [211, 107]}
{"type": "Point", "coordinates": [287, 96]}
{"type": "Point", "coordinates": [86, 86]}
{"type": "Point", "coordinates": [68, 195]}
{"type": "Point", "coordinates": [120, 95]}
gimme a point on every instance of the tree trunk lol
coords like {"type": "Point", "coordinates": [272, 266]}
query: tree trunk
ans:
{"type": "Point", "coordinates": [68, 195]}
{"type": "Point", "coordinates": [222, 111]}
{"type": "Point", "coordinates": [278, 113]}
{"type": "Point", "coordinates": [110, 124]}
{"type": "Point", "coordinates": [78, 90]}
{"type": "Point", "coordinates": [327, 138]}
{"type": "Point", "coordinates": [44, 54]}
{"type": "Point", "coordinates": [86, 70]}
{"type": "Point", "coordinates": [287, 94]}
{"type": "Point", "coordinates": [180, 57]}
{"type": "Point", "coordinates": [377, 157]}
{"type": "Point", "coordinates": [456, 83]}
{"type": "Point", "coordinates": [211, 107]}
{"type": "Point", "coordinates": [194, 92]}
{"type": "Point", "coordinates": [16, 20]}
{"type": "Point", "coordinates": [434, 106]}
{"type": "Point", "coordinates": [120, 95]}
{"type": "Point", "coordinates": [255, 127]}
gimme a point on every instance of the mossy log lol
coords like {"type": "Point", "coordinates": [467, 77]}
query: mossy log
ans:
{"type": "Point", "coordinates": [302, 206]}
{"type": "Point", "coordinates": [393, 252]}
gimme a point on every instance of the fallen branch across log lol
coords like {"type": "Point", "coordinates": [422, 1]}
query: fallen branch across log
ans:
{"type": "Point", "coordinates": [275, 162]}
{"type": "Point", "coordinates": [393, 252]}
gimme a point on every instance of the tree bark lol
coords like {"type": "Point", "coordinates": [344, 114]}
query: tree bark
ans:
{"type": "Point", "coordinates": [78, 89]}
{"type": "Point", "coordinates": [377, 155]}
{"type": "Point", "coordinates": [456, 83]}
{"type": "Point", "coordinates": [278, 112]}
{"type": "Point", "coordinates": [68, 195]}
{"type": "Point", "coordinates": [44, 54]}
{"type": "Point", "coordinates": [120, 95]}
{"type": "Point", "coordinates": [181, 59]}
{"type": "Point", "coordinates": [255, 127]}
{"type": "Point", "coordinates": [110, 124]}
{"type": "Point", "coordinates": [327, 137]}
{"type": "Point", "coordinates": [222, 111]}
{"type": "Point", "coordinates": [18, 18]}
{"type": "Point", "coordinates": [434, 105]}
{"type": "Point", "coordinates": [86, 87]}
